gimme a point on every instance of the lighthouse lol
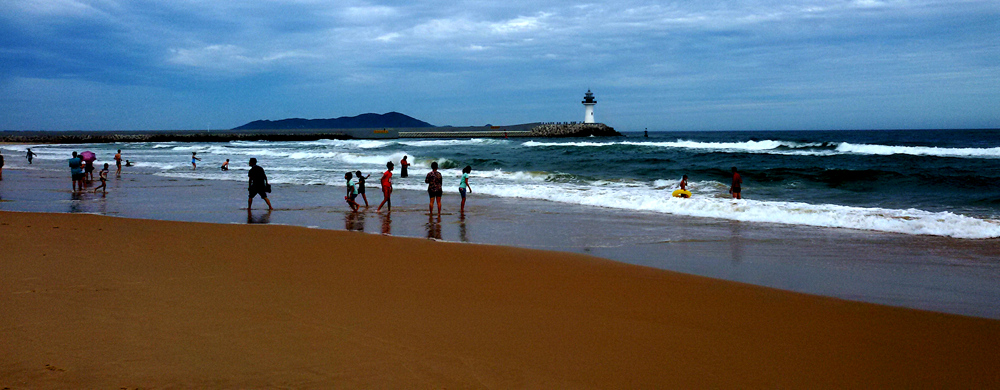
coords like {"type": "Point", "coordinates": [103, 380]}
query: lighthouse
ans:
{"type": "Point", "coordinates": [588, 107]}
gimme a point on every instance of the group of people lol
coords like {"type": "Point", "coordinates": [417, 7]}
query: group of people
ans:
{"type": "Point", "coordinates": [355, 186]}
{"type": "Point", "coordinates": [83, 170]}
{"type": "Point", "coordinates": [735, 189]}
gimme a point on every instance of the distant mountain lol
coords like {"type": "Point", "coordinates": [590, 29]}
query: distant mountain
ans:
{"type": "Point", "coordinates": [363, 121]}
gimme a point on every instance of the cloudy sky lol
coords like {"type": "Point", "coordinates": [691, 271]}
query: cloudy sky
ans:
{"type": "Point", "coordinates": [681, 65]}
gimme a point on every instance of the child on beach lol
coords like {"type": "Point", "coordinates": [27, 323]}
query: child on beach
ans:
{"type": "Point", "coordinates": [352, 191]}
{"type": "Point", "coordinates": [104, 180]}
{"type": "Point", "coordinates": [31, 155]}
{"type": "Point", "coordinates": [361, 187]}
{"type": "Point", "coordinates": [463, 184]}
{"type": "Point", "coordinates": [386, 182]}
{"type": "Point", "coordinates": [193, 159]}
{"type": "Point", "coordinates": [433, 181]}
{"type": "Point", "coordinates": [225, 165]}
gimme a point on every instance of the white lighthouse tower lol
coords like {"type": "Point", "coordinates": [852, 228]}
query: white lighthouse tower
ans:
{"type": "Point", "coordinates": [588, 106]}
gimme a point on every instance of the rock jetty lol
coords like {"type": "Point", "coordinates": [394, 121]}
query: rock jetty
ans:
{"type": "Point", "coordinates": [574, 130]}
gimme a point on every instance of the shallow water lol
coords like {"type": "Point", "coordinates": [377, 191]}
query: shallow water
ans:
{"type": "Point", "coordinates": [927, 272]}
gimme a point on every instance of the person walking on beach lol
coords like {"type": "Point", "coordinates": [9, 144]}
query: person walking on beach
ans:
{"type": "Point", "coordinates": [352, 191]}
{"type": "Point", "coordinates": [31, 156]}
{"type": "Point", "coordinates": [463, 184]}
{"type": "Point", "coordinates": [735, 189]}
{"type": "Point", "coordinates": [403, 164]}
{"type": "Point", "coordinates": [258, 184]}
{"type": "Point", "coordinates": [386, 182]}
{"type": "Point", "coordinates": [118, 163]}
{"type": "Point", "coordinates": [194, 159]}
{"type": "Point", "coordinates": [361, 187]}
{"type": "Point", "coordinates": [76, 172]}
{"type": "Point", "coordinates": [103, 175]}
{"type": "Point", "coordinates": [433, 181]}
{"type": "Point", "coordinates": [225, 165]}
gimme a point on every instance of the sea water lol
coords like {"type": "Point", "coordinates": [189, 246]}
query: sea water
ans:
{"type": "Point", "coordinates": [922, 182]}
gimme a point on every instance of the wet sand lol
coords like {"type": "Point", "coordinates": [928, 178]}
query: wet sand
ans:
{"type": "Point", "coordinates": [933, 273]}
{"type": "Point", "coordinates": [100, 302]}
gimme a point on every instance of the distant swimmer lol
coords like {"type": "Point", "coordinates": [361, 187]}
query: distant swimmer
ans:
{"type": "Point", "coordinates": [31, 155]}
{"type": "Point", "coordinates": [683, 192]}
{"type": "Point", "coordinates": [736, 188]}
{"type": "Point", "coordinates": [194, 158]}
{"type": "Point", "coordinates": [118, 163]}
{"type": "Point", "coordinates": [128, 163]}
{"type": "Point", "coordinates": [225, 165]}
{"type": "Point", "coordinates": [386, 188]}
{"type": "Point", "coordinates": [403, 164]}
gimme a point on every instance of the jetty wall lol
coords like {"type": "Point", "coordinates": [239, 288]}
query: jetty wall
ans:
{"type": "Point", "coordinates": [522, 130]}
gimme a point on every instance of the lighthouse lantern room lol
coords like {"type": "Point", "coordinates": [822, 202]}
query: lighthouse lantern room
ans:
{"type": "Point", "coordinates": [588, 106]}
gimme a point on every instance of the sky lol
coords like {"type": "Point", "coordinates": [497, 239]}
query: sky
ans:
{"type": "Point", "coordinates": [657, 65]}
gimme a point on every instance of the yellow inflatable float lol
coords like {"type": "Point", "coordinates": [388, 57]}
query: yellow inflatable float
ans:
{"type": "Point", "coordinates": [682, 194]}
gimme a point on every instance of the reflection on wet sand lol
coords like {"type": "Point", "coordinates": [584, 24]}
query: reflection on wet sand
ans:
{"type": "Point", "coordinates": [354, 221]}
{"type": "Point", "coordinates": [387, 224]}
{"type": "Point", "coordinates": [263, 218]}
{"type": "Point", "coordinates": [463, 235]}
{"type": "Point", "coordinates": [736, 241]}
{"type": "Point", "coordinates": [434, 227]}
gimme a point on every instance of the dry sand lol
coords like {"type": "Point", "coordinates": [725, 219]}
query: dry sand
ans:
{"type": "Point", "coordinates": [99, 302]}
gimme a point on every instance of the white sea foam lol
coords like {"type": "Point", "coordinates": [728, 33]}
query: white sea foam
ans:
{"type": "Point", "coordinates": [453, 142]}
{"type": "Point", "coordinates": [792, 148]}
{"type": "Point", "coordinates": [884, 150]}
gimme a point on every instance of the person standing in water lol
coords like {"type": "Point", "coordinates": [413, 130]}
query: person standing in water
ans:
{"type": "Point", "coordinates": [1, 166]}
{"type": "Point", "coordinates": [225, 165]}
{"type": "Point", "coordinates": [194, 158]}
{"type": "Point", "coordinates": [463, 185]}
{"type": "Point", "coordinates": [403, 164]}
{"type": "Point", "coordinates": [258, 184]}
{"type": "Point", "coordinates": [118, 163]}
{"type": "Point", "coordinates": [736, 188]}
{"type": "Point", "coordinates": [352, 191]}
{"type": "Point", "coordinates": [76, 172]}
{"type": "Point", "coordinates": [386, 182]}
{"type": "Point", "coordinates": [433, 181]}
{"type": "Point", "coordinates": [104, 179]}
{"type": "Point", "coordinates": [361, 187]}
{"type": "Point", "coordinates": [31, 155]}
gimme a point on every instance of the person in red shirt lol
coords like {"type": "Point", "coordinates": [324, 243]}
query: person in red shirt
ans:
{"type": "Point", "coordinates": [737, 184]}
{"type": "Point", "coordinates": [386, 182]}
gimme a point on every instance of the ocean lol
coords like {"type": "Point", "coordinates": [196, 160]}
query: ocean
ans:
{"type": "Point", "coordinates": [920, 182]}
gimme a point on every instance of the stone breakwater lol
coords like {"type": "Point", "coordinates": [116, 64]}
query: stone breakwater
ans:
{"type": "Point", "coordinates": [525, 130]}
{"type": "Point", "coordinates": [574, 130]}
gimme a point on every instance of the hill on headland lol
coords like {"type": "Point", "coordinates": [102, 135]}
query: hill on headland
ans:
{"type": "Point", "coordinates": [363, 121]}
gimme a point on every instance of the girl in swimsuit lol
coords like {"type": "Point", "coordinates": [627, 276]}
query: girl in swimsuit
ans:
{"type": "Point", "coordinates": [386, 187]}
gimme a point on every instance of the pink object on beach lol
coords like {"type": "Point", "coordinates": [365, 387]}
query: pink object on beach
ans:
{"type": "Point", "coordinates": [88, 156]}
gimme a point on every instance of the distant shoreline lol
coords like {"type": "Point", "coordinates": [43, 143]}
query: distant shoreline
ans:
{"type": "Point", "coordinates": [521, 130]}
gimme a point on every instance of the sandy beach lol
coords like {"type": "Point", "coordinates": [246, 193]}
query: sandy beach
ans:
{"type": "Point", "coordinates": [102, 302]}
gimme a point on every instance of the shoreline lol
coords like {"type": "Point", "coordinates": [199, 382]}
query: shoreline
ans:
{"type": "Point", "coordinates": [940, 274]}
{"type": "Point", "coordinates": [98, 302]}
